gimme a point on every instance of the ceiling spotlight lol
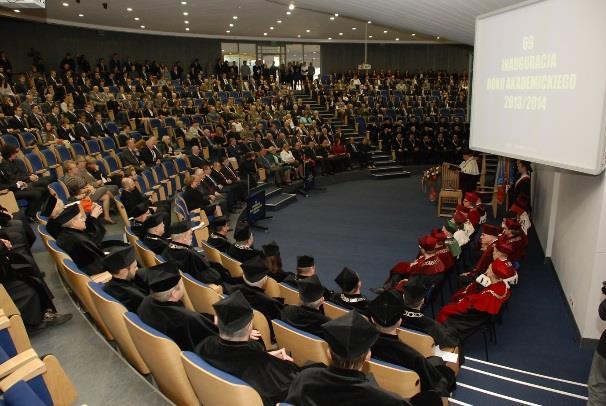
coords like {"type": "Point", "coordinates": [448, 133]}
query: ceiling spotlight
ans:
{"type": "Point", "coordinates": [129, 9]}
{"type": "Point", "coordinates": [80, 15]}
{"type": "Point", "coordinates": [369, 22]}
{"type": "Point", "coordinates": [143, 26]}
{"type": "Point", "coordinates": [314, 52]}
{"type": "Point", "coordinates": [397, 39]}
{"type": "Point", "coordinates": [17, 10]}
{"type": "Point", "coordinates": [227, 31]}
{"type": "Point", "coordinates": [185, 13]}
{"type": "Point", "coordinates": [307, 30]}
{"type": "Point", "coordinates": [186, 22]}
{"type": "Point", "coordinates": [332, 18]}
{"type": "Point", "coordinates": [384, 31]}
{"type": "Point", "coordinates": [438, 37]}
{"type": "Point", "coordinates": [235, 17]}
{"type": "Point", "coordinates": [65, 4]}
{"type": "Point", "coordinates": [279, 21]}
{"type": "Point", "coordinates": [288, 13]}
{"type": "Point", "coordinates": [136, 19]}
{"type": "Point", "coordinates": [231, 25]}
{"type": "Point", "coordinates": [186, 28]}
{"type": "Point", "coordinates": [354, 28]}
{"type": "Point", "coordinates": [329, 38]}
{"type": "Point", "coordinates": [298, 35]}
{"type": "Point", "coordinates": [413, 34]}
{"type": "Point", "coordinates": [265, 33]}
{"type": "Point", "coordinates": [340, 33]}
{"type": "Point", "coordinates": [184, 3]}
{"type": "Point", "coordinates": [271, 28]}
{"type": "Point", "coordinates": [291, 6]}
{"type": "Point", "coordinates": [336, 14]}
{"type": "Point", "coordinates": [370, 36]}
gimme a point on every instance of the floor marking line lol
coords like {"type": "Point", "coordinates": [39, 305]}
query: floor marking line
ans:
{"type": "Point", "coordinates": [526, 372]}
{"type": "Point", "coordinates": [458, 402]}
{"type": "Point", "coordinates": [519, 401]}
{"type": "Point", "coordinates": [532, 385]}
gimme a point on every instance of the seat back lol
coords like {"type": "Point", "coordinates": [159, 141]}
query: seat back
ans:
{"type": "Point", "coordinates": [11, 139]}
{"type": "Point", "coordinates": [234, 267]}
{"type": "Point", "coordinates": [13, 335]}
{"type": "Point", "coordinates": [49, 156]}
{"type": "Point", "coordinates": [7, 304]}
{"type": "Point", "coordinates": [78, 149]}
{"type": "Point", "coordinates": [108, 144]}
{"type": "Point", "coordinates": [8, 201]}
{"type": "Point", "coordinates": [290, 295]}
{"type": "Point", "coordinates": [35, 162]}
{"type": "Point", "coordinates": [214, 387]}
{"type": "Point", "coordinates": [121, 209]}
{"type": "Point", "coordinates": [59, 190]}
{"type": "Point", "coordinates": [46, 237]}
{"type": "Point", "coordinates": [162, 356]}
{"type": "Point", "coordinates": [304, 348]}
{"type": "Point", "coordinates": [63, 153]}
{"type": "Point", "coordinates": [394, 378]}
{"type": "Point", "coordinates": [147, 256]}
{"type": "Point", "coordinates": [423, 343]}
{"type": "Point", "coordinates": [78, 281]}
{"type": "Point", "coordinates": [92, 146]}
{"type": "Point", "coordinates": [213, 254]}
{"type": "Point", "coordinates": [334, 311]}
{"type": "Point", "coordinates": [271, 288]}
{"type": "Point", "coordinates": [201, 295]}
{"type": "Point", "coordinates": [58, 255]}
{"type": "Point", "coordinates": [112, 313]}
{"type": "Point", "coordinates": [261, 324]}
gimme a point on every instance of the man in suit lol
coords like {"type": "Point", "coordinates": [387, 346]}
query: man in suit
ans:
{"type": "Point", "coordinates": [131, 197]}
{"type": "Point", "coordinates": [54, 117]}
{"type": "Point", "coordinates": [196, 160]}
{"type": "Point", "coordinates": [149, 154]}
{"type": "Point", "coordinates": [83, 130]}
{"type": "Point", "coordinates": [18, 121]}
{"type": "Point", "coordinates": [130, 156]}
{"type": "Point", "coordinates": [98, 129]}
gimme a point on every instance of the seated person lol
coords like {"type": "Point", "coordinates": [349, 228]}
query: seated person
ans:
{"type": "Point", "coordinates": [450, 229]}
{"type": "Point", "coordinates": [471, 202]}
{"type": "Point", "coordinates": [196, 199]}
{"type": "Point", "coordinates": [343, 383]}
{"type": "Point", "coordinates": [442, 250]}
{"type": "Point", "coordinates": [164, 310]}
{"type": "Point", "coordinates": [472, 306]}
{"type": "Point", "coordinates": [196, 160]}
{"type": "Point", "coordinates": [242, 250]}
{"type": "Point", "coordinates": [53, 207]}
{"type": "Point", "coordinates": [350, 296]}
{"type": "Point", "coordinates": [386, 314]}
{"type": "Point", "coordinates": [237, 352]}
{"type": "Point", "coordinates": [140, 213]}
{"type": "Point", "coordinates": [188, 259]}
{"type": "Point", "coordinates": [131, 197]}
{"type": "Point", "coordinates": [153, 238]}
{"type": "Point", "coordinates": [501, 251]}
{"type": "Point", "coordinates": [16, 228]}
{"type": "Point", "coordinates": [126, 284]}
{"type": "Point", "coordinates": [218, 234]}
{"type": "Point", "coordinates": [306, 267]}
{"type": "Point", "coordinates": [82, 185]}
{"type": "Point", "coordinates": [414, 319]}
{"type": "Point", "coordinates": [28, 290]}
{"type": "Point", "coordinates": [86, 252]}
{"type": "Point", "coordinates": [255, 277]}
{"type": "Point", "coordinates": [308, 315]}
{"type": "Point", "coordinates": [236, 191]}
{"type": "Point", "coordinates": [274, 262]}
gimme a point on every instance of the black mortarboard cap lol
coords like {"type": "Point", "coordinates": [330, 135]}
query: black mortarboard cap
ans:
{"type": "Point", "coordinates": [350, 336]}
{"type": "Point", "coordinates": [242, 233]}
{"type": "Point", "coordinates": [140, 209]}
{"type": "Point", "coordinates": [414, 292]}
{"type": "Point", "coordinates": [152, 221]}
{"type": "Point", "coordinates": [48, 206]}
{"type": "Point", "coordinates": [347, 279]}
{"type": "Point", "coordinates": [69, 212]}
{"type": "Point", "coordinates": [163, 277]}
{"type": "Point", "coordinates": [386, 309]}
{"type": "Point", "coordinates": [272, 249]}
{"type": "Point", "coordinates": [254, 269]}
{"type": "Point", "coordinates": [310, 289]}
{"type": "Point", "coordinates": [218, 222]}
{"type": "Point", "coordinates": [234, 311]}
{"type": "Point", "coordinates": [180, 227]}
{"type": "Point", "coordinates": [119, 259]}
{"type": "Point", "coordinates": [305, 261]}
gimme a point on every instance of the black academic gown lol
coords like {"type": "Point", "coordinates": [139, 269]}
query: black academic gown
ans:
{"type": "Point", "coordinates": [83, 250]}
{"type": "Point", "coordinates": [258, 300]}
{"type": "Point", "coordinates": [358, 301]}
{"type": "Point", "coordinates": [157, 244]}
{"type": "Point", "coordinates": [433, 373]}
{"type": "Point", "coordinates": [333, 386]}
{"type": "Point", "coordinates": [305, 318]}
{"type": "Point", "coordinates": [94, 228]}
{"type": "Point", "coordinates": [292, 279]}
{"type": "Point", "coordinates": [415, 320]}
{"type": "Point", "coordinates": [243, 254]}
{"type": "Point", "coordinates": [219, 242]}
{"type": "Point", "coordinates": [129, 293]}
{"type": "Point", "coordinates": [193, 263]}
{"type": "Point", "coordinates": [268, 375]}
{"type": "Point", "coordinates": [186, 327]}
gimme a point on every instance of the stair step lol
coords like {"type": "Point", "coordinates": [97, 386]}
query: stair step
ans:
{"type": "Point", "coordinates": [387, 168]}
{"type": "Point", "coordinates": [278, 201]}
{"type": "Point", "coordinates": [272, 191]}
{"type": "Point", "coordinates": [391, 175]}
{"type": "Point", "coordinates": [387, 162]}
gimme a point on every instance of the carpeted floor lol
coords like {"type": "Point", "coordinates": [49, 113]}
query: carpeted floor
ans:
{"type": "Point", "coordinates": [369, 225]}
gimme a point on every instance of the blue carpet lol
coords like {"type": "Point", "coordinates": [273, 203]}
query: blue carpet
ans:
{"type": "Point", "coordinates": [370, 225]}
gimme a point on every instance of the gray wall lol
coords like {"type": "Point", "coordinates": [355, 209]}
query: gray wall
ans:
{"type": "Point", "coordinates": [343, 57]}
{"type": "Point", "coordinates": [54, 40]}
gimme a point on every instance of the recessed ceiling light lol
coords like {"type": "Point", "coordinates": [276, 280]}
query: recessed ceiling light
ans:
{"type": "Point", "coordinates": [185, 13]}
{"type": "Point", "coordinates": [438, 37]}
{"type": "Point", "coordinates": [288, 13]}
{"type": "Point", "coordinates": [143, 26]}
{"type": "Point", "coordinates": [340, 33]}
{"type": "Point", "coordinates": [227, 31]}
{"type": "Point", "coordinates": [291, 6]}
{"type": "Point", "coordinates": [413, 34]}
{"type": "Point", "coordinates": [129, 9]}
{"type": "Point", "coordinates": [354, 28]}
{"type": "Point", "coordinates": [336, 14]}
{"type": "Point", "coordinates": [370, 36]}
{"type": "Point", "coordinates": [235, 17]}
{"type": "Point", "coordinates": [298, 35]}
{"type": "Point", "coordinates": [184, 3]}
{"type": "Point", "coordinates": [231, 25]}
{"type": "Point", "coordinates": [17, 10]}
{"type": "Point", "coordinates": [307, 30]}
{"type": "Point", "coordinates": [186, 28]}
{"type": "Point", "coordinates": [136, 18]}
{"type": "Point", "coordinates": [384, 31]}
{"type": "Point", "coordinates": [369, 22]}
{"type": "Point", "coordinates": [329, 38]}
{"type": "Point", "coordinates": [271, 28]}
{"type": "Point", "coordinates": [186, 22]}
{"type": "Point", "coordinates": [65, 4]}
{"type": "Point", "coordinates": [265, 33]}
{"type": "Point", "coordinates": [80, 15]}
{"type": "Point", "coordinates": [332, 18]}
{"type": "Point", "coordinates": [279, 21]}
{"type": "Point", "coordinates": [314, 52]}
{"type": "Point", "coordinates": [397, 39]}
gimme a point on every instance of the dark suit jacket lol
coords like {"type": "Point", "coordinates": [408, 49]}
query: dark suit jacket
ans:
{"type": "Point", "coordinates": [131, 199]}
{"type": "Point", "coordinates": [146, 155]}
{"type": "Point", "coordinates": [129, 158]}
{"type": "Point", "coordinates": [66, 134]}
{"type": "Point", "coordinates": [83, 130]}
{"type": "Point", "coordinates": [197, 161]}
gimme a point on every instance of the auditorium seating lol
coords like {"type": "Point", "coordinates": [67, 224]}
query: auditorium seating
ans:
{"type": "Point", "coordinates": [333, 311]}
{"type": "Point", "coordinates": [394, 378]}
{"type": "Point", "coordinates": [304, 348]}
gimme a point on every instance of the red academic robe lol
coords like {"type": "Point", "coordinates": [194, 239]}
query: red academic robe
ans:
{"type": "Point", "coordinates": [475, 297]}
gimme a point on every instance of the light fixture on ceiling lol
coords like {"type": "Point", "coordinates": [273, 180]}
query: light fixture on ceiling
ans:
{"type": "Point", "coordinates": [329, 38]}
{"type": "Point", "coordinates": [332, 18]}
{"type": "Point", "coordinates": [17, 10]}
{"type": "Point", "coordinates": [271, 28]}
{"type": "Point", "coordinates": [354, 28]}
{"type": "Point", "coordinates": [369, 22]}
{"type": "Point", "coordinates": [298, 35]}
{"type": "Point", "coordinates": [129, 9]}
{"type": "Point", "coordinates": [184, 3]}
{"type": "Point", "coordinates": [370, 36]}
{"type": "Point", "coordinates": [279, 21]}
{"type": "Point", "coordinates": [186, 22]}
{"type": "Point", "coordinates": [291, 6]}
{"type": "Point", "coordinates": [438, 37]}
{"type": "Point", "coordinates": [185, 13]}
{"type": "Point", "coordinates": [143, 26]}
{"type": "Point", "coordinates": [231, 24]}
{"type": "Point", "coordinates": [65, 4]}
{"type": "Point", "coordinates": [186, 28]}
{"type": "Point", "coordinates": [397, 39]}
{"type": "Point", "coordinates": [336, 14]}
{"type": "Point", "coordinates": [288, 13]}
{"type": "Point", "coordinates": [341, 33]}
{"type": "Point", "coordinates": [235, 17]}
{"type": "Point", "coordinates": [227, 31]}
{"type": "Point", "coordinates": [384, 31]}
{"type": "Point", "coordinates": [307, 30]}
{"type": "Point", "coordinates": [314, 52]}
{"type": "Point", "coordinates": [80, 15]}
{"type": "Point", "coordinates": [136, 18]}
{"type": "Point", "coordinates": [413, 34]}
{"type": "Point", "coordinates": [265, 33]}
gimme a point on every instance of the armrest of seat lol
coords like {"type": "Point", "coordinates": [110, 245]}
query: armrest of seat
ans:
{"type": "Point", "coordinates": [16, 362]}
{"type": "Point", "coordinates": [26, 372]}
{"type": "Point", "coordinates": [102, 277]}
